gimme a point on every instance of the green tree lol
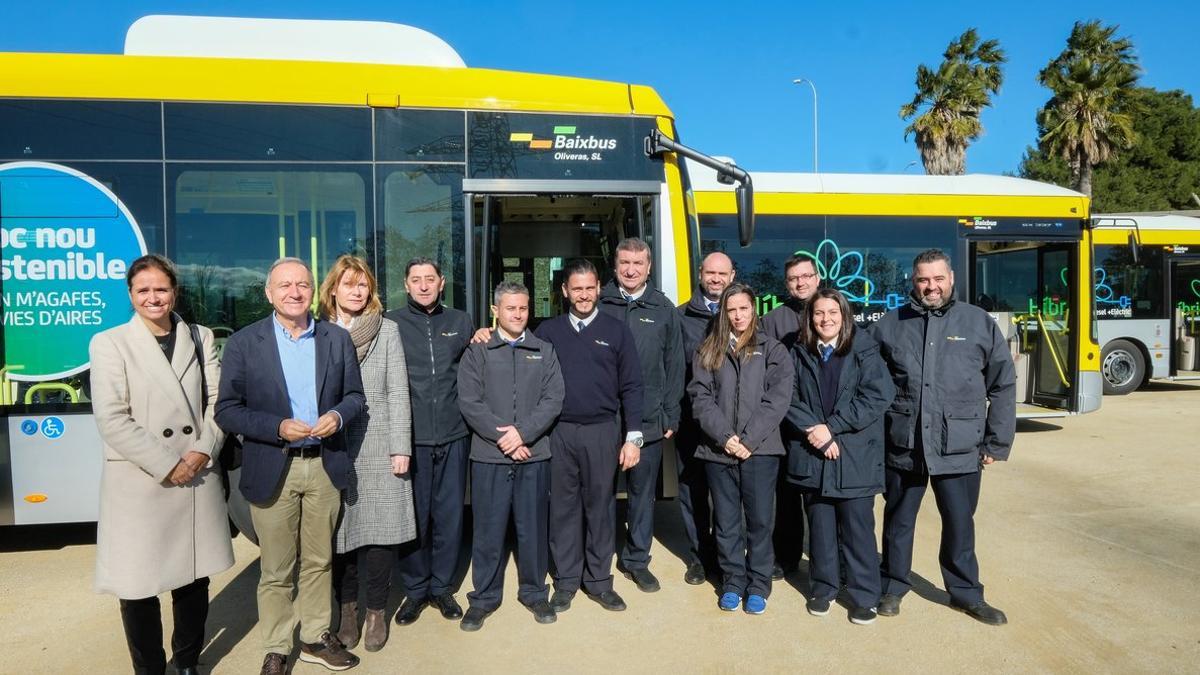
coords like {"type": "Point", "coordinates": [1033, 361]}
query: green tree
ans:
{"type": "Point", "coordinates": [945, 110]}
{"type": "Point", "coordinates": [1159, 172]}
{"type": "Point", "coordinates": [1089, 116]}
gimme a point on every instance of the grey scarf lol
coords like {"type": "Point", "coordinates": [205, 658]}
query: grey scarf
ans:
{"type": "Point", "coordinates": [364, 331]}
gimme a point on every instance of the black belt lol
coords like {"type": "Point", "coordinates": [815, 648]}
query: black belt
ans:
{"type": "Point", "coordinates": [305, 451]}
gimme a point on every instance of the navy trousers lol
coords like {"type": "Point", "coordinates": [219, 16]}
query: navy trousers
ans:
{"type": "Point", "coordinates": [744, 491]}
{"type": "Point", "coordinates": [957, 496]}
{"type": "Point", "coordinates": [641, 484]}
{"type": "Point", "coordinates": [583, 505]}
{"type": "Point", "coordinates": [789, 521]}
{"type": "Point", "coordinates": [837, 528]}
{"type": "Point", "coordinates": [693, 501]}
{"type": "Point", "coordinates": [498, 491]}
{"type": "Point", "coordinates": [439, 480]}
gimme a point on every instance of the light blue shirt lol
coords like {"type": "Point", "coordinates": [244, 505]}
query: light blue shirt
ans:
{"type": "Point", "coordinates": [298, 356]}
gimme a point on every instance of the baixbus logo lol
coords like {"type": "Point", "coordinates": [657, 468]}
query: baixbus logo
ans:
{"type": "Point", "coordinates": [977, 223]}
{"type": "Point", "coordinates": [566, 137]}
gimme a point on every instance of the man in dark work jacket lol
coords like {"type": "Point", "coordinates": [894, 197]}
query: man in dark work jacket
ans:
{"type": "Point", "coordinates": [783, 323]}
{"type": "Point", "coordinates": [652, 319]}
{"type": "Point", "coordinates": [603, 382]}
{"type": "Point", "coordinates": [434, 337]}
{"type": "Point", "coordinates": [695, 315]}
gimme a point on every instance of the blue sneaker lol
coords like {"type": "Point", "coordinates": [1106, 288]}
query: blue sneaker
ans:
{"type": "Point", "coordinates": [729, 602]}
{"type": "Point", "coordinates": [755, 604]}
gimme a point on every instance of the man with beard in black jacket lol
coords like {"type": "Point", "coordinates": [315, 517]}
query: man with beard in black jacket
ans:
{"type": "Point", "coordinates": [716, 273]}
{"type": "Point", "coordinates": [651, 317]}
{"type": "Point", "coordinates": [434, 337]}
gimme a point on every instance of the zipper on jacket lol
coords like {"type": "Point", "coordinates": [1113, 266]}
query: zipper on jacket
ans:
{"type": "Point", "coordinates": [432, 368]}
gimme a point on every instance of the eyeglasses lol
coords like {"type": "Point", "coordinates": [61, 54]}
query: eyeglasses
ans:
{"type": "Point", "coordinates": [802, 277]}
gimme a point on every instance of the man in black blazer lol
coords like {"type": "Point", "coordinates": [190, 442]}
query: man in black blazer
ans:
{"type": "Point", "coordinates": [289, 385]}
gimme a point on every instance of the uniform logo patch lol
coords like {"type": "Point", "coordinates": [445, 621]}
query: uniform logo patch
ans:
{"type": "Point", "coordinates": [602, 343]}
{"type": "Point", "coordinates": [534, 357]}
{"type": "Point", "coordinates": [955, 338]}
{"type": "Point", "coordinates": [450, 334]}
{"type": "Point", "coordinates": [645, 320]}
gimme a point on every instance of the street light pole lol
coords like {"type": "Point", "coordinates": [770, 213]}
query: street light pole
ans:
{"type": "Point", "coordinates": [809, 82]}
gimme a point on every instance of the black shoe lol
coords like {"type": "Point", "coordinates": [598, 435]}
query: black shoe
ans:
{"type": "Point", "coordinates": [410, 610]}
{"type": "Point", "coordinates": [695, 574]}
{"type": "Point", "coordinates": [983, 613]}
{"type": "Point", "coordinates": [889, 605]}
{"type": "Point", "coordinates": [644, 578]}
{"type": "Point", "coordinates": [863, 616]}
{"type": "Point", "coordinates": [542, 612]}
{"type": "Point", "coordinates": [777, 573]}
{"type": "Point", "coordinates": [609, 600]}
{"type": "Point", "coordinates": [473, 620]}
{"type": "Point", "coordinates": [448, 606]}
{"type": "Point", "coordinates": [817, 606]}
{"type": "Point", "coordinates": [561, 601]}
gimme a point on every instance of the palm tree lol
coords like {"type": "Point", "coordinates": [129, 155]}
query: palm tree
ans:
{"type": "Point", "coordinates": [952, 98]}
{"type": "Point", "coordinates": [1088, 118]}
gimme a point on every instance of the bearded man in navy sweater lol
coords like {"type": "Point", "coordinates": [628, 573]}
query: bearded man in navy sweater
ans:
{"type": "Point", "coordinates": [600, 428]}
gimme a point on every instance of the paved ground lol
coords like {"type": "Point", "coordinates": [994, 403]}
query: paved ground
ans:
{"type": "Point", "coordinates": [1088, 539]}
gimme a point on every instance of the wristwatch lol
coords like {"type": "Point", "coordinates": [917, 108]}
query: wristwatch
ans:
{"type": "Point", "coordinates": [638, 441]}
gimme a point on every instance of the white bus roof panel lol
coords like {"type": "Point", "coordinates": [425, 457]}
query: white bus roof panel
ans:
{"type": "Point", "coordinates": [704, 179]}
{"type": "Point", "coordinates": [1168, 222]}
{"type": "Point", "coordinates": [289, 40]}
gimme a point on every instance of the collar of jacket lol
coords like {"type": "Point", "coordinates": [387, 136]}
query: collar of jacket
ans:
{"type": "Point", "coordinates": [530, 342]}
{"type": "Point", "coordinates": [795, 304]}
{"type": "Point", "coordinates": [915, 302]}
{"type": "Point", "coordinates": [611, 293]}
{"type": "Point", "coordinates": [698, 304]}
{"type": "Point", "coordinates": [416, 308]}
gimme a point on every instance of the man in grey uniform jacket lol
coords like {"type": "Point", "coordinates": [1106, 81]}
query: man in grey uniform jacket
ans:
{"type": "Point", "coordinates": [655, 325]}
{"type": "Point", "coordinates": [510, 390]}
{"type": "Point", "coordinates": [954, 413]}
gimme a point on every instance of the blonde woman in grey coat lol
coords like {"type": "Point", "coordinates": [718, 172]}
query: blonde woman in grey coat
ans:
{"type": "Point", "coordinates": [377, 509]}
{"type": "Point", "coordinates": [163, 525]}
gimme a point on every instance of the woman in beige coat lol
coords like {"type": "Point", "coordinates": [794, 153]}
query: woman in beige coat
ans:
{"type": "Point", "coordinates": [163, 525]}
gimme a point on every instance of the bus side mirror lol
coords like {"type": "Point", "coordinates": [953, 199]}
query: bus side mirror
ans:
{"type": "Point", "coordinates": [745, 211]}
{"type": "Point", "coordinates": [1133, 246]}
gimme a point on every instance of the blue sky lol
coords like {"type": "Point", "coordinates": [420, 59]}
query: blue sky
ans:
{"type": "Point", "coordinates": [726, 69]}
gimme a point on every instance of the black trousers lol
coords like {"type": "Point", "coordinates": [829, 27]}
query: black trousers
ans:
{"type": "Point", "coordinates": [583, 504]}
{"type": "Point", "coordinates": [744, 491]}
{"type": "Point", "coordinates": [377, 562]}
{"type": "Point", "coordinates": [693, 501]}
{"type": "Point", "coordinates": [957, 496]}
{"type": "Point", "coordinates": [439, 480]}
{"type": "Point", "coordinates": [641, 484]}
{"type": "Point", "coordinates": [789, 521]}
{"type": "Point", "coordinates": [840, 528]}
{"type": "Point", "coordinates": [498, 491]}
{"type": "Point", "coordinates": [142, 619]}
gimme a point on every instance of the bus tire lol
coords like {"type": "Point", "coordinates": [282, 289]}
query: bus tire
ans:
{"type": "Point", "coordinates": [1123, 367]}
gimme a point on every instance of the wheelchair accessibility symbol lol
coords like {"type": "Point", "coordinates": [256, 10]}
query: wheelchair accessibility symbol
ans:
{"type": "Point", "coordinates": [53, 427]}
{"type": "Point", "coordinates": [29, 427]}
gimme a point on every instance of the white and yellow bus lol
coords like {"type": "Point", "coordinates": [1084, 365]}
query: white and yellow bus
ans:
{"type": "Point", "coordinates": [1020, 250]}
{"type": "Point", "coordinates": [1147, 292]}
{"type": "Point", "coordinates": [225, 144]}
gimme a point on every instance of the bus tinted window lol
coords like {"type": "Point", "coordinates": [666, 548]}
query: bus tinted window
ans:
{"type": "Point", "coordinates": [422, 215]}
{"type": "Point", "coordinates": [1125, 289]}
{"type": "Point", "coordinates": [231, 223]}
{"type": "Point", "coordinates": [760, 264]}
{"type": "Point", "coordinates": [206, 131]}
{"type": "Point", "coordinates": [61, 130]}
{"type": "Point", "coordinates": [420, 135]}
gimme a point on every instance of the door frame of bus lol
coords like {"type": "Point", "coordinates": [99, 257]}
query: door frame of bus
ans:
{"type": "Point", "coordinates": [487, 188]}
{"type": "Point", "coordinates": [1044, 245]}
{"type": "Point", "coordinates": [1171, 261]}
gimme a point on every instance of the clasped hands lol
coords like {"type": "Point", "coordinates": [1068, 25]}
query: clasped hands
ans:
{"type": "Point", "coordinates": [818, 436]}
{"type": "Point", "coordinates": [189, 465]}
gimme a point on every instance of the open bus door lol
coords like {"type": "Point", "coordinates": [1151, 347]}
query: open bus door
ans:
{"type": "Point", "coordinates": [1183, 284]}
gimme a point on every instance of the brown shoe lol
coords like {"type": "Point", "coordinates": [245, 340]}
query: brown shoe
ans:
{"type": "Point", "coordinates": [375, 630]}
{"type": "Point", "coordinates": [274, 664]}
{"type": "Point", "coordinates": [328, 652]}
{"type": "Point", "coordinates": [348, 629]}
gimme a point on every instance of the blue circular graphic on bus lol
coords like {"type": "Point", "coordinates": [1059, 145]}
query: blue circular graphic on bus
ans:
{"type": "Point", "coordinates": [53, 427]}
{"type": "Point", "coordinates": [67, 241]}
{"type": "Point", "coordinates": [29, 427]}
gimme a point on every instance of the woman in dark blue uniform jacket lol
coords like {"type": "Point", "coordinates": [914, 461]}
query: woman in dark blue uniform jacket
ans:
{"type": "Point", "coordinates": [842, 390]}
{"type": "Point", "coordinates": [742, 383]}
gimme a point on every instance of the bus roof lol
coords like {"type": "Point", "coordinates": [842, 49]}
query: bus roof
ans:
{"type": "Point", "coordinates": [1143, 222]}
{"type": "Point", "coordinates": [705, 180]}
{"type": "Point", "coordinates": [326, 78]}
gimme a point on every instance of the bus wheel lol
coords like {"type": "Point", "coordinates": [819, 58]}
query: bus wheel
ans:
{"type": "Point", "coordinates": [1123, 367]}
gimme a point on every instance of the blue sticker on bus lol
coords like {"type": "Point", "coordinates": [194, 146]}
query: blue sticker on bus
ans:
{"type": "Point", "coordinates": [29, 427]}
{"type": "Point", "coordinates": [53, 427]}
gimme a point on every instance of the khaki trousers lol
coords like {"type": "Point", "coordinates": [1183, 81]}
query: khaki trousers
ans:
{"type": "Point", "coordinates": [300, 518]}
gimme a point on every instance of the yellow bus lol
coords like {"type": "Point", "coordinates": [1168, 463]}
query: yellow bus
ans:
{"type": "Point", "coordinates": [1147, 292]}
{"type": "Point", "coordinates": [302, 138]}
{"type": "Point", "coordinates": [1020, 250]}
